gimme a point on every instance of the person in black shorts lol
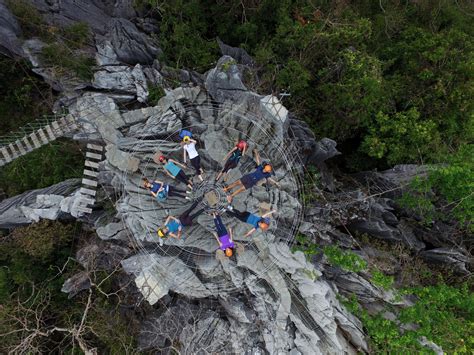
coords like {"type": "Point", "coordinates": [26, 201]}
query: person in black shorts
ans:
{"type": "Point", "coordinates": [189, 148]}
{"type": "Point", "coordinates": [232, 158]}
{"type": "Point", "coordinates": [262, 171]}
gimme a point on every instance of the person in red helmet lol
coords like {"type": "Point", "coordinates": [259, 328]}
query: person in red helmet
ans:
{"type": "Point", "coordinates": [189, 147]}
{"type": "Point", "coordinates": [262, 171]}
{"type": "Point", "coordinates": [232, 158]}
{"type": "Point", "coordinates": [175, 170]}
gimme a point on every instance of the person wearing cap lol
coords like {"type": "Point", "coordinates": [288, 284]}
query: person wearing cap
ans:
{"type": "Point", "coordinates": [223, 237]}
{"type": "Point", "coordinates": [162, 191]}
{"type": "Point", "coordinates": [262, 171]}
{"type": "Point", "coordinates": [175, 170]}
{"type": "Point", "coordinates": [173, 226]}
{"type": "Point", "coordinates": [262, 222]}
{"type": "Point", "coordinates": [232, 159]}
{"type": "Point", "coordinates": [189, 147]}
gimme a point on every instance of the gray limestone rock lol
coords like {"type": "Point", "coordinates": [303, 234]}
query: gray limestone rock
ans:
{"type": "Point", "coordinates": [12, 210]}
{"type": "Point", "coordinates": [453, 257]}
{"type": "Point", "coordinates": [77, 283]}
{"type": "Point", "coordinates": [122, 79]}
{"type": "Point", "coordinates": [240, 55]}
{"type": "Point", "coordinates": [10, 44]}
{"type": "Point", "coordinates": [123, 42]}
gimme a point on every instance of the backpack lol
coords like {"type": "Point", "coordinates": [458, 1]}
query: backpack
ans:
{"type": "Point", "coordinates": [162, 195]}
{"type": "Point", "coordinates": [183, 133]}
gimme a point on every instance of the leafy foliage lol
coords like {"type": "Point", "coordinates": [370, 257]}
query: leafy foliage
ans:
{"type": "Point", "coordinates": [392, 80]}
{"type": "Point", "coordinates": [23, 97]}
{"type": "Point", "coordinates": [454, 185]}
{"type": "Point", "coordinates": [42, 167]}
{"type": "Point", "coordinates": [443, 314]}
{"type": "Point", "coordinates": [63, 60]}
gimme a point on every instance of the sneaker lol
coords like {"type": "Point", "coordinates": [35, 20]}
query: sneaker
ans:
{"type": "Point", "coordinates": [160, 241]}
{"type": "Point", "coordinates": [187, 198]}
{"type": "Point", "coordinates": [230, 208]}
{"type": "Point", "coordinates": [189, 192]}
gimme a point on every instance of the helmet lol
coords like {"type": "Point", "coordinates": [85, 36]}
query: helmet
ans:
{"type": "Point", "coordinates": [162, 158]}
{"type": "Point", "coordinates": [267, 168]}
{"type": "Point", "coordinates": [160, 232]}
{"type": "Point", "coordinates": [264, 223]}
{"type": "Point", "coordinates": [186, 139]}
{"type": "Point", "coordinates": [228, 252]}
{"type": "Point", "coordinates": [241, 145]}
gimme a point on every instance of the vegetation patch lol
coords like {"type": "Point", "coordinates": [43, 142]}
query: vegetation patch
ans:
{"type": "Point", "coordinates": [48, 165]}
{"type": "Point", "coordinates": [63, 61]}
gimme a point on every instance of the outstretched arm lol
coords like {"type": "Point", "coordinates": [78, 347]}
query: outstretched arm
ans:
{"type": "Point", "coordinates": [274, 182]}
{"type": "Point", "coordinates": [217, 238]}
{"type": "Point", "coordinates": [229, 154]}
{"type": "Point", "coordinates": [168, 173]}
{"type": "Point", "coordinates": [173, 235]}
{"type": "Point", "coordinates": [257, 156]}
{"type": "Point", "coordinates": [177, 163]}
{"type": "Point", "coordinates": [268, 213]}
{"type": "Point", "coordinates": [250, 232]}
{"type": "Point", "coordinates": [168, 219]}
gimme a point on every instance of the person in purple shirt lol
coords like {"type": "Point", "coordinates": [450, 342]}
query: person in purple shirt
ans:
{"type": "Point", "coordinates": [223, 237]}
{"type": "Point", "coordinates": [262, 171]}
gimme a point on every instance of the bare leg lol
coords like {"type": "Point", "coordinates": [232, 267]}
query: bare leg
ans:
{"type": "Point", "coordinates": [242, 189]}
{"type": "Point", "coordinates": [231, 186]}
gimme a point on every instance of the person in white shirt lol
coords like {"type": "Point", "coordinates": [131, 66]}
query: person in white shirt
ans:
{"type": "Point", "coordinates": [189, 147]}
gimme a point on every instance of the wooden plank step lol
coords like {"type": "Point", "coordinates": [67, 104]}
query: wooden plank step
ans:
{"type": "Point", "coordinates": [43, 137]}
{"type": "Point", "coordinates": [6, 155]}
{"type": "Point", "coordinates": [14, 151]}
{"type": "Point", "coordinates": [94, 156]}
{"type": "Point", "coordinates": [96, 147]}
{"type": "Point", "coordinates": [56, 128]}
{"type": "Point", "coordinates": [90, 173]}
{"type": "Point", "coordinates": [89, 182]}
{"type": "Point", "coordinates": [91, 164]}
{"type": "Point", "coordinates": [84, 209]}
{"type": "Point", "coordinates": [50, 133]}
{"type": "Point", "coordinates": [28, 146]}
{"type": "Point", "coordinates": [85, 191]}
{"type": "Point", "coordinates": [35, 140]}
{"type": "Point", "coordinates": [86, 201]}
{"type": "Point", "coordinates": [20, 147]}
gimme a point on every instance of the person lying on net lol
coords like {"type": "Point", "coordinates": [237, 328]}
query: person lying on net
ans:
{"type": "Point", "coordinates": [174, 226]}
{"type": "Point", "coordinates": [262, 222]}
{"type": "Point", "coordinates": [161, 191]}
{"type": "Point", "coordinates": [175, 170]}
{"type": "Point", "coordinates": [262, 171]}
{"type": "Point", "coordinates": [189, 147]}
{"type": "Point", "coordinates": [232, 158]}
{"type": "Point", "coordinates": [223, 237]}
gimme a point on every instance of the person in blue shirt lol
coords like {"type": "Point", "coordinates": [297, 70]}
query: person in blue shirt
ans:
{"type": "Point", "coordinates": [258, 222]}
{"type": "Point", "coordinates": [175, 170]}
{"type": "Point", "coordinates": [174, 226]}
{"type": "Point", "coordinates": [262, 171]}
{"type": "Point", "coordinates": [162, 191]}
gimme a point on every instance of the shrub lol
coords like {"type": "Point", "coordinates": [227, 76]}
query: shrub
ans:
{"type": "Point", "coordinates": [65, 61]}
{"type": "Point", "coordinates": [48, 165]}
